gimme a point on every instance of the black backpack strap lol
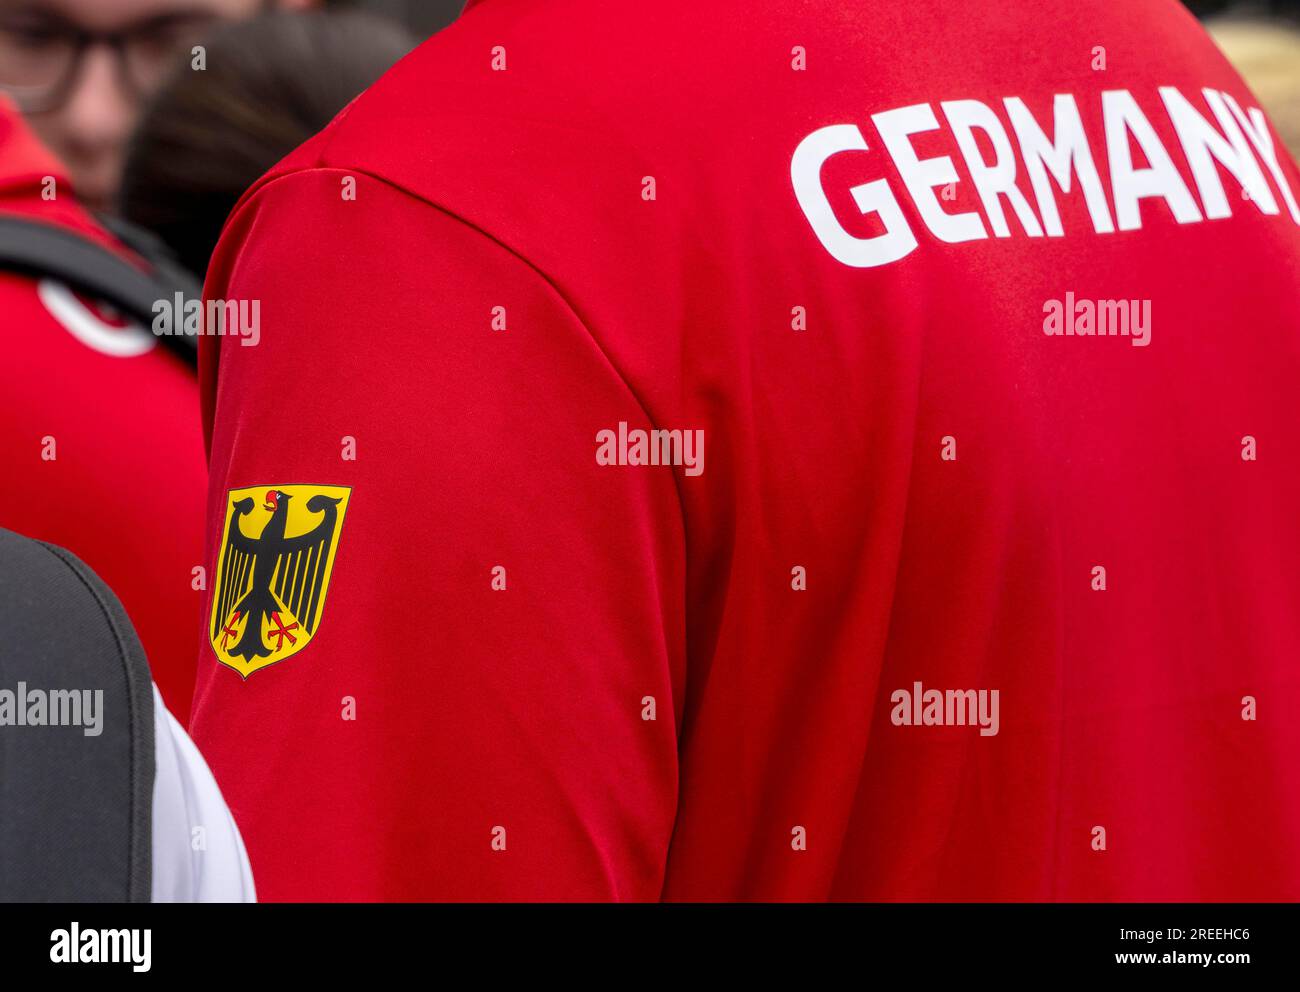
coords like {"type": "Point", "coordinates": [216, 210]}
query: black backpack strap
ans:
{"type": "Point", "coordinates": [45, 251]}
{"type": "Point", "coordinates": [76, 808]}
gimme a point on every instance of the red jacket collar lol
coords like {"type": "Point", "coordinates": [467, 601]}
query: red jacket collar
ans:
{"type": "Point", "coordinates": [22, 157]}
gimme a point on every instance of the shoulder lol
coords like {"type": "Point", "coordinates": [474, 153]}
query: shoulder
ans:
{"type": "Point", "coordinates": [519, 112]}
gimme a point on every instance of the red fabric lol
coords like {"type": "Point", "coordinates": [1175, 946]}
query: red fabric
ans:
{"type": "Point", "coordinates": [123, 492]}
{"type": "Point", "coordinates": [523, 708]}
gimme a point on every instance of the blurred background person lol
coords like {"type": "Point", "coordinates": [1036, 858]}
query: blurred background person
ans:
{"type": "Point", "coordinates": [80, 69]}
{"type": "Point", "coordinates": [99, 437]}
{"type": "Point", "coordinates": [270, 84]}
{"type": "Point", "coordinates": [99, 432]}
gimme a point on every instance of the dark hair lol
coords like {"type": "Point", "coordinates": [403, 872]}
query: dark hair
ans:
{"type": "Point", "coordinates": [270, 83]}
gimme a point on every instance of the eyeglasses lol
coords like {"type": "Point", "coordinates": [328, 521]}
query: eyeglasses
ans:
{"type": "Point", "coordinates": [41, 55]}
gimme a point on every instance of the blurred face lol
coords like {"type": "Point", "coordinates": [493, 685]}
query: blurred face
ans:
{"type": "Point", "coordinates": [80, 69]}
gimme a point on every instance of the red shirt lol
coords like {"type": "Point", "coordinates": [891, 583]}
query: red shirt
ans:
{"type": "Point", "coordinates": [982, 581]}
{"type": "Point", "coordinates": [99, 432]}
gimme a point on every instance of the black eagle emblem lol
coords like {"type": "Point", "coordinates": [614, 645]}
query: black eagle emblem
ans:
{"type": "Point", "coordinates": [272, 577]}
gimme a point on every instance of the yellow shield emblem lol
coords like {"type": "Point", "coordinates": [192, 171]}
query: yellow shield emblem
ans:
{"type": "Point", "coordinates": [277, 552]}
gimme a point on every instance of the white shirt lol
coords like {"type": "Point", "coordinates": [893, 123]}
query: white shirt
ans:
{"type": "Point", "coordinates": [198, 855]}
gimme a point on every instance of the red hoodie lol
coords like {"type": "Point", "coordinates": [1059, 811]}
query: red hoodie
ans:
{"type": "Point", "coordinates": [964, 563]}
{"type": "Point", "coordinates": [99, 430]}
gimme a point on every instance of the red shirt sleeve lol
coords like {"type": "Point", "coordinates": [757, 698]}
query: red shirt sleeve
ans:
{"type": "Point", "coordinates": [485, 709]}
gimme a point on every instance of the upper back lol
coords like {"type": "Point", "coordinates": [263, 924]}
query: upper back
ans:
{"type": "Point", "coordinates": [988, 314]}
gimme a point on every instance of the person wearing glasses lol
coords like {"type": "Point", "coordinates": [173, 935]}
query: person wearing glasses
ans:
{"type": "Point", "coordinates": [81, 69]}
{"type": "Point", "coordinates": [99, 440]}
